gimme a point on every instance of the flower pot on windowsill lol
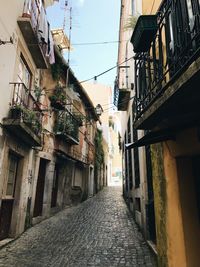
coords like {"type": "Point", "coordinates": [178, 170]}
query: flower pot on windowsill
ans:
{"type": "Point", "coordinates": [58, 99]}
{"type": "Point", "coordinates": [26, 15]}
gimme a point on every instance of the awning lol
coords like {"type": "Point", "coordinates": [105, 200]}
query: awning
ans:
{"type": "Point", "coordinates": [152, 138]}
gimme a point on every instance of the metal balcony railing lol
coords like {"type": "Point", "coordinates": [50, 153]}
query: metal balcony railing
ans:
{"type": "Point", "coordinates": [121, 97]}
{"type": "Point", "coordinates": [116, 94]}
{"type": "Point", "coordinates": [67, 125]}
{"type": "Point", "coordinates": [23, 107]}
{"type": "Point", "coordinates": [76, 154]}
{"type": "Point", "coordinates": [36, 32]}
{"type": "Point", "coordinates": [175, 46]}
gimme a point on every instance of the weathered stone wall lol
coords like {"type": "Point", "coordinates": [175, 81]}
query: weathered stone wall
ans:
{"type": "Point", "coordinates": [159, 185]}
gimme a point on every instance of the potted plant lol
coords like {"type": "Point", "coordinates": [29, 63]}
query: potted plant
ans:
{"type": "Point", "coordinates": [58, 99]}
{"type": "Point", "coordinates": [29, 116]}
{"type": "Point", "coordinates": [131, 22]}
{"type": "Point", "coordinates": [36, 126]}
{"type": "Point", "coordinates": [144, 33]}
{"type": "Point", "coordinates": [59, 126]}
{"type": "Point", "coordinates": [16, 111]}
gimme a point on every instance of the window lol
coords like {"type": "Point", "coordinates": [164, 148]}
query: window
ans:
{"type": "Point", "coordinates": [142, 82]}
{"type": "Point", "coordinates": [130, 170]}
{"type": "Point", "coordinates": [126, 163]}
{"type": "Point", "coordinates": [12, 174]}
{"type": "Point", "coordinates": [171, 34]}
{"type": "Point", "coordinates": [90, 132]}
{"type": "Point", "coordinates": [190, 14]}
{"type": "Point", "coordinates": [136, 160]}
{"type": "Point", "coordinates": [138, 204]}
{"type": "Point", "coordinates": [24, 75]}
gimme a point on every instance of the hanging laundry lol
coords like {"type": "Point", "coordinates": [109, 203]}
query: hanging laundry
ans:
{"type": "Point", "coordinates": [51, 45]}
{"type": "Point", "coordinates": [35, 11]}
{"type": "Point", "coordinates": [43, 26]}
{"type": "Point", "coordinates": [27, 8]}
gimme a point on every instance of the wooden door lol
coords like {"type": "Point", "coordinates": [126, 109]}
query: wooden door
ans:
{"type": "Point", "coordinates": [55, 187]}
{"type": "Point", "coordinates": [40, 189]}
{"type": "Point", "coordinates": [8, 200]}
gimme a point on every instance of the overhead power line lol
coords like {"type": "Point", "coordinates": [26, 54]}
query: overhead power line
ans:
{"type": "Point", "coordinates": [104, 72]}
{"type": "Point", "coordinates": [97, 43]}
{"type": "Point", "coordinates": [100, 43]}
{"type": "Point", "coordinates": [114, 106]}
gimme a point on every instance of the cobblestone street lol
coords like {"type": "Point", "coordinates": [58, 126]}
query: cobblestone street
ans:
{"type": "Point", "coordinates": [98, 232]}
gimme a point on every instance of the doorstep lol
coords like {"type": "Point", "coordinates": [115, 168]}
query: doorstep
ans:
{"type": "Point", "coordinates": [5, 241]}
{"type": "Point", "coordinates": [38, 219]}
{"type": "Point", "coordinates": [153, 247]}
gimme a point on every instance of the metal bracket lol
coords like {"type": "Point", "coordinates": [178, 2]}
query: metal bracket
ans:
{"type": "Point", "coordinates": [6, 42]}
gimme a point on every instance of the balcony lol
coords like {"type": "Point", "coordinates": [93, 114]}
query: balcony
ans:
{"type": "Point", "coordinates": [123, 100]}
{"type": "Point", "coordinates": [25, 118]}
{"type": "Point", "coordinates": [70, 152]}
{"type": "Point", "coordinates": [121, 97]}
{"type": "Point", "coordinates": [34, 27]}
{"type": "Point", "coordinates": [167, 74]}
{"type": "Point", "coordinates": [76, 153]}
{"type": "Point", "coordinates": [67, 127]}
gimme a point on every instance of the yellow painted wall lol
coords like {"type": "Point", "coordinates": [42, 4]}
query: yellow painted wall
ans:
{"type": "Point", "coordinates": [174, 223]}
{"type": "Point", "coordinates": [177, 222]}
{"type": "Point", "coordinates": [150, 6]}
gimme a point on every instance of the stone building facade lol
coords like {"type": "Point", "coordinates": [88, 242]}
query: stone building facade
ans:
{"type": "Point", "coordinates": [48, 122]}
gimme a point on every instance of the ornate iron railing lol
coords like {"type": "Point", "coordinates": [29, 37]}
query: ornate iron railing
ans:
{"type": "Point", "coordinates": [175, 46]}
{"type": "Point", "coordinates": [116, 94]}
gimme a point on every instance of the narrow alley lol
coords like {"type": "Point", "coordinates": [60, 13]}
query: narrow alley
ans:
{"type": "Point", "coordinates": [97, 232]}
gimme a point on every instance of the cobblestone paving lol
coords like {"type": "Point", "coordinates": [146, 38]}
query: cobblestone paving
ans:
{"type": "Point", "coordinates": [98, 232]}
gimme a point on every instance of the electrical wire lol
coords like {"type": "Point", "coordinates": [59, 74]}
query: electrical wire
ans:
{"type": "Point", "coordinates": [98, 43]}
{"type": "Point", "coordinates": [102, 73]}
{"type": "Point", "coordinates": [121, 102]}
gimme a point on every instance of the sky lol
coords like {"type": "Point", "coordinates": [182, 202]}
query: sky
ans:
{"type": "Point", "coordinates": [92, 21]}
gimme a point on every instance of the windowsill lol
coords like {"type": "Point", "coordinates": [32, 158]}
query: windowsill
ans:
{"type": "Point", "coordinates": [8, 198]}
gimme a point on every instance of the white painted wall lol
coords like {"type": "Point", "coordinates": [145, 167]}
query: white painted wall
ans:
{"type": "Point", "coordinates": [9, 12]}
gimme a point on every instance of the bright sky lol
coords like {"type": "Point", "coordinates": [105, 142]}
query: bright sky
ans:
{"type": "Point", "coordinates": [92, 21]}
